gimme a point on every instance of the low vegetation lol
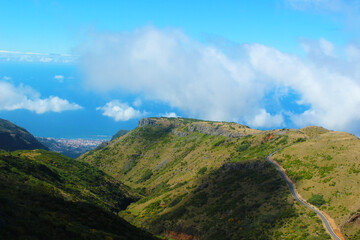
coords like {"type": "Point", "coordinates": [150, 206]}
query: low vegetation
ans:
{"type": "Point", "coordinates": [210, 180]}
{"type": "Point", "coordinates": [325, 170]}
{"type": "Point", "coordinates": [45, 195]}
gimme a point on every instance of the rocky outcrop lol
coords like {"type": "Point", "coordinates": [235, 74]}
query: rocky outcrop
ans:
{"type": "Point", "coordinates": [214, 130]}
{"type": "Point", "coordinates": [179, 133]}
{"type": "Point", "coordinates": [146, 122]}
{"type": "Point", "coordinates": [210, 128]}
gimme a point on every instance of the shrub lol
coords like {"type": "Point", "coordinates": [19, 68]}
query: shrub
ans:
{"type": "Point", "coordinates": [317, 200]}
{"type": "Point", "coordinates": [300, 140]}
{"type": "Point", "coordinates": [243, 146]}
{"type": "Point", "coordinates": [176, 201]}
{"type": "Point", "coordinates": [219, 142]}
{"type": "Point", "coordinates": [153, 207]}
{"type": "Point", "coordinates": [282, 140]}
{"type": "Point", "coordinates": [148, 173]}
{"type": "Point", "coordinates": [202, 170]}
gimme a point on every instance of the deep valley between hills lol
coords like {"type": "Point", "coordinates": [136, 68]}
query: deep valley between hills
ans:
{"type": "Point", "coordinates": [178, 178]}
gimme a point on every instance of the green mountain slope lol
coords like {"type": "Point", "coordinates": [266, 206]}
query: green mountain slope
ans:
{"type": "Point", "coordinates": [119, 133]}
{"type": "Point", "coordinates": [328, 165]}
{"type": "Point", "coordinates": [13, 137]}
{"type": "Point", "coordinates": [45, 195]}
{"type": "Point", "coordinates": [210, 180]}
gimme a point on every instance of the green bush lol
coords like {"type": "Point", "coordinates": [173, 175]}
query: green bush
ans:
{"type": "Point", "coordinates": [147, 175]}
{"type": "Point", "coordinates": [202, 170]}
{"type": "Point", "coordinates": [176, 201]}
{"type": "Point", "coordinates": [219, 142]}
{"type": "Point", "coordinates": [243, 146]}
{"type": "Point", "coordinates": [282, 140]}
{"type": "Point", "coordinates": [300, 140]}
{"type": "Point", "coordinates": [317, 200]}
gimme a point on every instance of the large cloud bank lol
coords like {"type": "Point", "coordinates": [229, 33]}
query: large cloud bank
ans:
{"type": "Point", "coordinates": [24, 97]}
{"type": "Point", "coordinates": [204, 81]}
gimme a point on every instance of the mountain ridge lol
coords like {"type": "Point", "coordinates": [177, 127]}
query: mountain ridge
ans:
{"type": "Point", "coordinates": [13, 137]}
{"type": "Point", "coordinates": [178, 164]}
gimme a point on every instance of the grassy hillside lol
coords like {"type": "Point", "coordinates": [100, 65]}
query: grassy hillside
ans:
{"type": "Point", "coordinates": [44, 195]}
{"type": "Point", "coordinates": [13, 137]}
{"type": "Point", "coordinates": [208, 180]}
{"type": "Point", "coordinates": [119, 133]}
{"type": "Point", "coordinates": [328, 165]}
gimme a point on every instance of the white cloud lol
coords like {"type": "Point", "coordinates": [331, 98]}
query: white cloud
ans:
{"type": "Point", "coordinates": [60, 78]}
{"type": "Point", "coordinates": [137, 102]}
{"type": "Point", "coordinates": [9, 56]}
{"type": "Point", "coordinates": [352, 53]}
{"type": "Point", "coordinates": [170, 67]}
{"type": "Point", "coordinates": [169, 115]}
{"type": "Point", "coordinates": [330, 5]}
{"type": "Point", "coordinates": [119, 111]}
{"type": "Point", "coordinates": [326, 47]}
{"type": "Point", "coordinates": [24, 97]}
{"type": "Point", "coordinates": [265, 119]}
{"type": "Point", "coordinates": [202, 81]}
{"type": "Point", "coordinates": [337, 6]}
{"type": "Point", "coordinates": [333, 95]}
{"type": "Point", "coordinates": [6, 78]}
{"type": "Point", "coordinates": [348, 10]}
{"type": "Point", "coordinates": [320, 48]}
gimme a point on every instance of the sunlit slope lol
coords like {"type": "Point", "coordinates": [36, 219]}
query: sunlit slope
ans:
{"type": "Point", "coordinates": [207, 180]}
{"type": "Point", "coordinates": [175, 150]}
{"type": "Point", "coordinates": [45, 195]}
{"type": "Point", "coordinates": [327, 164]}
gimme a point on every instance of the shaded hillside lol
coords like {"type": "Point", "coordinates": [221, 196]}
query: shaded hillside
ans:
{"type": "Point", "coordinates": [207, 180]}
{"type": "Point", "coordinates": [44, 195]}
{"type": "Point", "coordinates": [13, 137]}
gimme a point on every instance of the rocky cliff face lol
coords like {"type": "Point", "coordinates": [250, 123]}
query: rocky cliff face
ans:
{"type": "Point", "coordinates": [146, 122]}
{"type": "Point", "coordinates": [216, 130]}
{"type": "Point", "coordinates": [182, 127]}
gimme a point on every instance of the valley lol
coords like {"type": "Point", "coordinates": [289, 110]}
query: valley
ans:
{"type": "Point", "coordinates": [180, 178]}
{"type": "Point", "coordinates": [180, 120]}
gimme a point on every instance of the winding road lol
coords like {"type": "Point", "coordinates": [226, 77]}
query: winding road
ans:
{"type": "Point", "coordinates": [301, 201]}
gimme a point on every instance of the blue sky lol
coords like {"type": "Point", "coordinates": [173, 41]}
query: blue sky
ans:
{"type": "Point", "coordinates": [60, 26]}
{"type": "Point", "coordinates": [87, 68]}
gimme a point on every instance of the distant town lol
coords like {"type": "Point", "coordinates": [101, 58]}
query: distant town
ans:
{"type": "Point", "coordinates": [79, 142]}
{"type": "Point", "coordinates": [70, 147]}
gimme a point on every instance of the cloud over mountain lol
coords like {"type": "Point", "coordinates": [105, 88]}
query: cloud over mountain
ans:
{"type": "Point", "coordinates": [203, 81]}
{"type": "Point", "coordinates": [170, 67]}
